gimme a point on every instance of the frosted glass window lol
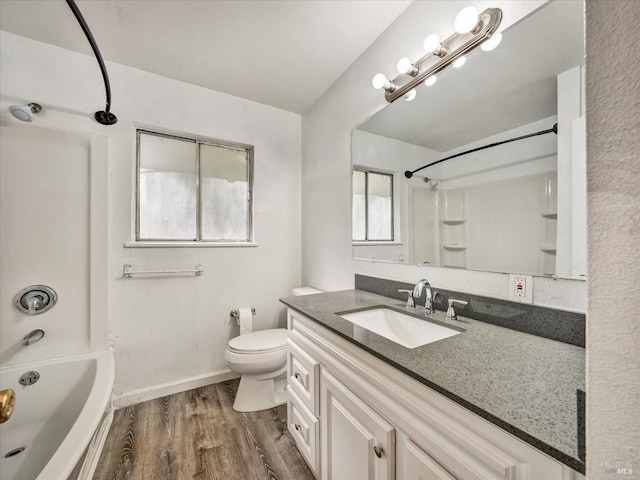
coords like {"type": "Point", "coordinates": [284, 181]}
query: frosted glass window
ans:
{"type": "Point", "coordinates": [192, 190]}
{"type": "Point", "coordinates": [225, 193]}
{"type": "Point", "coordinates": [372, 204]}
{"type": "Point", "coordinates": [167, 188]}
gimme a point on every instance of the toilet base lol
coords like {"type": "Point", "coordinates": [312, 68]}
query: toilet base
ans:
{"type": "Point", "coordinates": [256, 392]}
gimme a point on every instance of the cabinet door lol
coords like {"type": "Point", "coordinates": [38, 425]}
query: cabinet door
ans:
{"type": "Point", "coordinates": [357, 443]}
{"type": "Point", "coordinates": [420, 466]}
{"type": "Point", "coordinates": [304, 428]}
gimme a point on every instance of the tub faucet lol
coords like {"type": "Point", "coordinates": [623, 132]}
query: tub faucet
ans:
{"type": "Point", "coordinates": [417, 293]}
{"type": "Point", "coordinates": [32, 337]}
{"type": "Point", "coordinates": [33, 304]}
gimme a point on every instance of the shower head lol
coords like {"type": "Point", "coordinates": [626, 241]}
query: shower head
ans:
{"type": "Point", "coordinates": [25, 113]}
{"type": "Point", "coordinates": [434, 183]}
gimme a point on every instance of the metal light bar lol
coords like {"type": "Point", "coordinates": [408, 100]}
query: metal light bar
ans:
{"type": "Point", "coordinates": [455, 47]}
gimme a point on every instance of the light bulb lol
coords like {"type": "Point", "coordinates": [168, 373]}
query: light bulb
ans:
{"type": "Point", "coordinates": [466, 20]}
{"type": "Point", "coordinates": [492, 43]}
{"type": "Point", "coordinates": [380, 81]}
{"type": "Point", "coordinates": [432, 43]}
{"type": "Point", "coordinates": [458, 62]}
{"type": "Point", "coordinates": [430, 80]}
{"type": "Point", "coordinates": [410, 95]}
{"type": "Point", "coordinates": [405, 66]}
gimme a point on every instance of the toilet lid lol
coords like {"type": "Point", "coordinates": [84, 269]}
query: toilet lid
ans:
{"type": "Point", "coordinates": [260, 341]}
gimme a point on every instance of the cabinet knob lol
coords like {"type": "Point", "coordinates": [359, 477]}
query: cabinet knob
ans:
{"type": "Point", "coordinates": [297, 426]}
{"type": "Point", "coordinates": [379, 451]}
{"type": "Point", "coordinates": [297, 375]}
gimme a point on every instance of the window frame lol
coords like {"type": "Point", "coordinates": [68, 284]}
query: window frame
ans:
{"type": "Point", "coordinates": [366, 240]}
{"type": "Point", "coordinates": [249, 149]}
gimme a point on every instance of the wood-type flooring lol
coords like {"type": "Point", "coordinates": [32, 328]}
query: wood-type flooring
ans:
{"type": "Point", "coordinates": [197, 435]}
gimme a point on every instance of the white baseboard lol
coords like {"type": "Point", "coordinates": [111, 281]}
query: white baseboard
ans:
{"type": "Point", "coordinates": [164, 389]}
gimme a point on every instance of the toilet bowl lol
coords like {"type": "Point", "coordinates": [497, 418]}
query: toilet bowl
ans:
{"type": "Point", "coordinates": [261, 358]}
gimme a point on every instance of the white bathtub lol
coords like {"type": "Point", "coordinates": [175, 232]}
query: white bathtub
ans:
{"type": "Point", "coordinates": [56, 417]}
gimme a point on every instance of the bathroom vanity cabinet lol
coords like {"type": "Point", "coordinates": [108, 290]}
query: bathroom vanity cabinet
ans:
{"type": "Point", "coordinates": [355, 416]}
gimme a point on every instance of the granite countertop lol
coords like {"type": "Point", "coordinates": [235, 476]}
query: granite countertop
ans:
{"type": "Point", "coordinates": [523, 383]}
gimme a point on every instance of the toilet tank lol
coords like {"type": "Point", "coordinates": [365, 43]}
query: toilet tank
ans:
{"type": "Point", "coordinates": [304, 291]}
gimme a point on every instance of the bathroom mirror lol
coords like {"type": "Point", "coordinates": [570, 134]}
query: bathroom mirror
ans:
{"type": "Point", "coordinates": [518, 207]}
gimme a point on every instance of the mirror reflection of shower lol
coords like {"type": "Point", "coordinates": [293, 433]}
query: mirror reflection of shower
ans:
{"type": "Point", "coordinates": [25, 113]}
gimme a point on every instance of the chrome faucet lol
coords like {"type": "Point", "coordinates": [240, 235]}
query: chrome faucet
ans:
{"type": "Point", "coordinates": [32, 337]}
{"type": "Point", "coordinates": [417, 293]}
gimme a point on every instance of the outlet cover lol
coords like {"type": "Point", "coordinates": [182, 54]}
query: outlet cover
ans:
{"type": "Point", "coordinates": [520, 288]}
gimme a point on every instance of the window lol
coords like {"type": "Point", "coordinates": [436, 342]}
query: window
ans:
{"type": "Point", "coordinates": [372, 206]}
{"type": "Point", "coordinates": [192, 190]}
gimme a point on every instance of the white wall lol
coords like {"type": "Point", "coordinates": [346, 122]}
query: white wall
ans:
{"type": "Point", "coordinates": [326, 131]}
{"type": "Point", "coordinates": [166, 330]}
{"type": "Point", "coordinates": [613, 333]}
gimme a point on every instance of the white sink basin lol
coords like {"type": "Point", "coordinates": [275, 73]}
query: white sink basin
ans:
{"type": "Point", "coordinates": [408, 331]}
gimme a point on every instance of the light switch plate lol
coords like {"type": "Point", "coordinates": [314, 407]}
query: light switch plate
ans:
{"type": "Point", "coordinates": [520, 288]}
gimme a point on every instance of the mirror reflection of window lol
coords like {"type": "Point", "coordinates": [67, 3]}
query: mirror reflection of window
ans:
{"type": "Point", "coordinates": [359, 214]}
{"type": "Point", "coordinates": [372, 206]}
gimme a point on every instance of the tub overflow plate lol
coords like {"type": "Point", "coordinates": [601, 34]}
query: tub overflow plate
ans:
{"type": "Point", "coordinates": [29, 378]}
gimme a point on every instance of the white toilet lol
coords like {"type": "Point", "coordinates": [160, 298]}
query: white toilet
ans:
{"type": "Point", "coordinates": [261, 358]}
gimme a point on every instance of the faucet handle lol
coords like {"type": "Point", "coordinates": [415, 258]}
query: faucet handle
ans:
{"type": "Point", "coordinates": [451, 313]}
{"type": "Point", "coordinates": [410, 301]}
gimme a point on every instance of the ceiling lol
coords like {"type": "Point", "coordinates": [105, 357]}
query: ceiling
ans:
{"type": "Point", "coordinates": [496, 91]}
{"type": "Point", "coordinates": [283, 53]}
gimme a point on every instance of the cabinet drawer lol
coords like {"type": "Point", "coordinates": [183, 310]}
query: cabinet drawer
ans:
{"type": "Point", "coordinates": [419, 465]}
{"type": "Point", "coordinates": [303, 376]}
{"type": "Point", "coordinates": [304, 428]}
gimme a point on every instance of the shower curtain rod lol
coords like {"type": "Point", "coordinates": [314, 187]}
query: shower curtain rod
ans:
{"type": "Point", "coordinates": [105, 117]}
{"type": "Point", "coordinates": [554, 129]}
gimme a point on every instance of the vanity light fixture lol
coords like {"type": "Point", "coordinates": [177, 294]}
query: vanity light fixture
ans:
{"type": "Point", "coordinates": [405, 66]}
{"type": "Point", "coordinates": [458, 62]}
{"type": "Point", "coordinates": [433, 45]}
{"type": "Point", "coordinates": [467, 20]}
{"type": "Point", "coordinates": [492, 43]}
{"type": "Point", "coordinates": [380, 81]}
{"type": "Point", "coordinates": [410, 95]}
{"type": "Point", "coordinates": [472, 30]}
